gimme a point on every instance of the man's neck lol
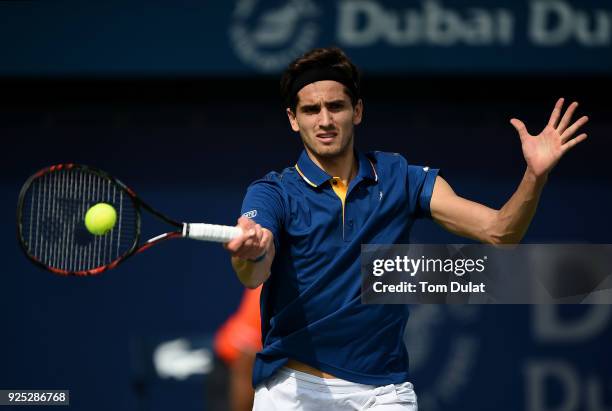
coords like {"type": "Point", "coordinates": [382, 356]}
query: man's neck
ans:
{"type": "Point", "coordinates": [343, 166]}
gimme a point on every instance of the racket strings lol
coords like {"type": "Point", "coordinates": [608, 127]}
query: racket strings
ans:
{"type": "Point", "coordinates": [53, 214]}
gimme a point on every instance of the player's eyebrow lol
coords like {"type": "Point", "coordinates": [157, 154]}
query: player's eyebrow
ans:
{"type": "Point", "coordinates": [338, 102]}
{"type": "Point", "coordinates": [317, 106]}
{"type": "Point", "coordinates": [310, 107]}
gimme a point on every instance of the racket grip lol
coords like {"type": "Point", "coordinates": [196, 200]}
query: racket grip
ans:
{"type": "Point", "coordinates": [210, 232]}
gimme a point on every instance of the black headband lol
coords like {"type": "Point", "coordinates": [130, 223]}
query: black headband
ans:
{"type": "Point", "coordinates": [319, 74]}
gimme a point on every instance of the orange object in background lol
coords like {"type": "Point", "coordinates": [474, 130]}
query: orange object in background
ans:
{"type": "Point", "coordinates": [241, 333]}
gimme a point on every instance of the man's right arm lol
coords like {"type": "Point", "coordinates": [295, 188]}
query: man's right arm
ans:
{"type": "Point", "coordinates": [252, 253]}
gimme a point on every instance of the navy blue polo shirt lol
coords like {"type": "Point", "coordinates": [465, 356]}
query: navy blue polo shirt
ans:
{"type": "Point", "coordinates": [311, 308]}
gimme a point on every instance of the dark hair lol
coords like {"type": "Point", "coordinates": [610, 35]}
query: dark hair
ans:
{"type": "Point", "coordinates": [320, 58]}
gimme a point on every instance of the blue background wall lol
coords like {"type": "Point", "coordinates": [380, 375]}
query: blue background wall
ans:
{"type": "Point", "coordinates": [191, 148]}
{"type": "Point", "coordinates": [190, 142]}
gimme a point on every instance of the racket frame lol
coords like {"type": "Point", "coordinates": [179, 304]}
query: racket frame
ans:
{"type": "Point", "coordinates": [135, 248]}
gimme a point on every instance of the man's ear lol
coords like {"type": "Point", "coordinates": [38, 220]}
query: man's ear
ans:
{"type": "Point", "coordinates": [292, 120]}
{"type": "Point", "coordinates": [358, 112]}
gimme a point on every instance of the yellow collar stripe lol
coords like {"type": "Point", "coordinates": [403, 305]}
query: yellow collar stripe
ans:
{"type": "Point", "coordinates": [373, 169]}
{"type": "Point", "coordinates": [304, 177]}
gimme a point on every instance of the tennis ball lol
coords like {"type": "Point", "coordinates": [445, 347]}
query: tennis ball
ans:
{"type": "Point", "coordinates": [100, 219]}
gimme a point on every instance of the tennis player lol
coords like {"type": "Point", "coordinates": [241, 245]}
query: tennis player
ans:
{"type": "Point", "coordinates": [322, 348]}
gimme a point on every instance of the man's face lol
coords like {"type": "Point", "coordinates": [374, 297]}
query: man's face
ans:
{"type": "Point", "coordinates": [325, 118]}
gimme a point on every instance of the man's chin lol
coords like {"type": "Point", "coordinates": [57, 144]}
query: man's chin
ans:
{"type": "Point", "coordinates": [328, 153]}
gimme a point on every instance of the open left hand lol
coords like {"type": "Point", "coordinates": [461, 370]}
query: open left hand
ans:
{"type": "Point", "coordinates": [544, 150]}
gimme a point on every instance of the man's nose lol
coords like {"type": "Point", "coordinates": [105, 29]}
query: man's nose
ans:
{"type": "Point", "coordinates": [325, 118]}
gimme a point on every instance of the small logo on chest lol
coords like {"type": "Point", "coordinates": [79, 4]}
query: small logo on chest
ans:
{"type": "Point", "coordinates": [380, 195]}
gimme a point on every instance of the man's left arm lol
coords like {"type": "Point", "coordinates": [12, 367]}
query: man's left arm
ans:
{"type": "Point", "coordinates": [509, 224]}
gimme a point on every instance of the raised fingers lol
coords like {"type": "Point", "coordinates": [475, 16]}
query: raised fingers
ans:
{"type": "Point", "coordinates": [567, 117]}
{"type": "Point", "coordinates": [556, 113]}
{"type": "Point", "coordinates": [571, 130]}
{"type": "Point", "coordinates": [573, 142]}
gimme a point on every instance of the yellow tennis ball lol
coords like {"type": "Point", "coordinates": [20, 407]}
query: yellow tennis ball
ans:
{"type": "Point", "coordinates": [100, 219]}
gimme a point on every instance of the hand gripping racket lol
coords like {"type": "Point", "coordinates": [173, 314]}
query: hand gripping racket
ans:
{"type": "Point", "coordinates": [51, 221]}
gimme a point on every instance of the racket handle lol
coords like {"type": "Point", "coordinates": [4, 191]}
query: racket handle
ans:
{"type": "Point", "coordinates": [210, 232]}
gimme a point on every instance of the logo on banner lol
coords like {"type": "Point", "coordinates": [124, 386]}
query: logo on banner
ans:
{"type": "Point", "coordinates": [268, 38]}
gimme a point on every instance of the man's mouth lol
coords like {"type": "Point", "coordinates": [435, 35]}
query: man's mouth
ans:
{"type": "Point", "coordinates": [327, 137]}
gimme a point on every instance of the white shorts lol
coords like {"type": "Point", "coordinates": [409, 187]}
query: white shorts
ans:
{"type": "Point", "coordinates": [289, 390]}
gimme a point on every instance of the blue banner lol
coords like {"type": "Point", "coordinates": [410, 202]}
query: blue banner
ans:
{"type": "Point", "coordinates": [247, 37]}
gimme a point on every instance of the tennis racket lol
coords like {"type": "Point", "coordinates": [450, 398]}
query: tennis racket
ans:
{"type": "Point", "coordinates": [51, 221]}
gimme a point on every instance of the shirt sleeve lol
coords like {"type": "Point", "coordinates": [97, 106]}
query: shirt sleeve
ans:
{"type": "Point", "coordinates": [420, 183]}
{"type": "Point", "coordinates": [263, 203]}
